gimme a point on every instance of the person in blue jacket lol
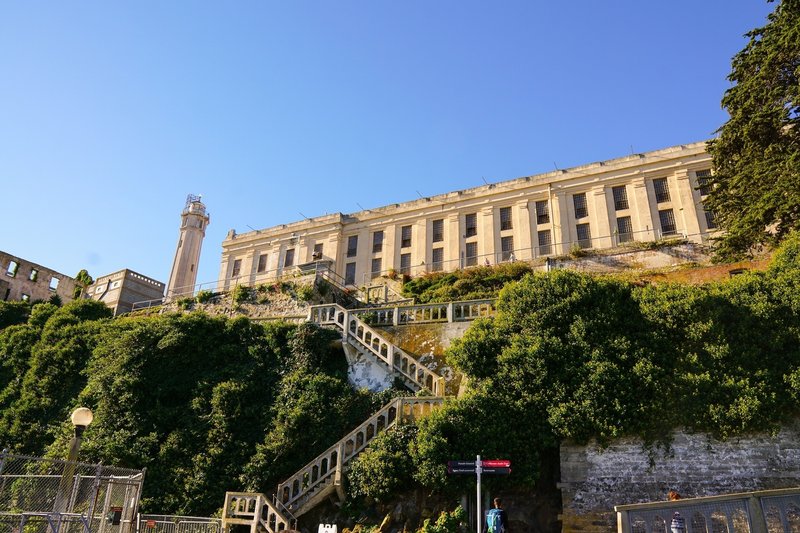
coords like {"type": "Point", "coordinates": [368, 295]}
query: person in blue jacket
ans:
{"type": "Point", "coordinates": [496, 519]}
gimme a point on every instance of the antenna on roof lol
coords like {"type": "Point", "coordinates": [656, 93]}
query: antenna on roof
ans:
{"type": "Point", "coordinates": [361, 206]}
{"type": "Point", "coordinates": [420, 195]}
{"type": "Point", "coordinates": [302, 215]}
{"type": "Point", "coordinates": [484, 180]}
{"type": "Point", "coordinates": [252, 228]}
{"type": "Point", "coordinates": [632, 152]}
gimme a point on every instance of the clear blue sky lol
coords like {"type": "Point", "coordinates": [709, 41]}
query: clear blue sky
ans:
{"type": "Point", "coordinates": [111, 112]}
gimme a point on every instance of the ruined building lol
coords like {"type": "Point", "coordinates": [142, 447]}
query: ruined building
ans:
{"type": "Point", "coordinates": [23, 280]}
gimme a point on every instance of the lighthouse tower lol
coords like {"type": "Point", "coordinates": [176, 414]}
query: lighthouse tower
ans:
{"type": "Point", "coordinates": [194, 220]}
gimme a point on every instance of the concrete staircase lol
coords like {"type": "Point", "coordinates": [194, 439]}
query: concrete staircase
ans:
{"type": "Point", "coordinates": [322, 477]}
{"type": "Point", "coordinates": [371, 343]}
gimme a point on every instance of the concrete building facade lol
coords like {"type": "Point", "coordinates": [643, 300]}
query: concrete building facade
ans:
{"type": "Point", "coordinates": [121, 289]}
{"type": "Point", "coordinates": [194, 220]}
{"type": "Point", "coordinates": [23, 280]}
{"type": "Point", "coordinates": [641, 197]}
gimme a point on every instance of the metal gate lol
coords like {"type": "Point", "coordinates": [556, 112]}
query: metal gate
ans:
{"type": "Point", "coordinates": [40, 495]}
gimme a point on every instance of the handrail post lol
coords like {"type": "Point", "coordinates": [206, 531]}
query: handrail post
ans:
{"type": "Point", "coordinates": [758, 523]}
{"type": "Point", "coordinates": [396, 316]}
{"type": "Point", "coordinates": [449, 312]}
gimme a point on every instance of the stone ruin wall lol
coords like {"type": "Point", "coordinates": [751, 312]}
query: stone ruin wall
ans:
{"type": "Point", "coordinates": [593, 479]}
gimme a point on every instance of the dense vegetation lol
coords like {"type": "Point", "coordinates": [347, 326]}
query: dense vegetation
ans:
{"type": "Point", "coordinates": [470, 284]}
{"type": "Point", "coordinates": [755, 191]}
{"type": "Point", "coordinates": [570, 356]}
{"type": "Point", "coordinates": [214, 404]}
{"type": "Point", "coordinates": [206, 404]}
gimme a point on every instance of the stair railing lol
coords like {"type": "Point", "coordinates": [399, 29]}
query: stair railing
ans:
{"type": "Point", "coordinates": [254, 509]}
{"type": "Point", "coordinates": [370, 341]}
{"type": "Point", "coordinates": [328, 466]}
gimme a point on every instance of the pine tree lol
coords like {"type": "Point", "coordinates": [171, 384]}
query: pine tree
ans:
{"type": "Point", "coordinates": [755, 193]}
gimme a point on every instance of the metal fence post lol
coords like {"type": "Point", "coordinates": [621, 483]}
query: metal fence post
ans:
{"type": "Point", "coordinates": [95, 492]}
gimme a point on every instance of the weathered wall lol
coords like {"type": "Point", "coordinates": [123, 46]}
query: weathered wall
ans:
{"type": "Point", "coordinates": [593, 480]}
{"type": "Point", "coordinates": [624, 259]}
{"type": "Point", "coordinates": [20, 280]}
{"type": "Point", "coordinates": [428, 342]}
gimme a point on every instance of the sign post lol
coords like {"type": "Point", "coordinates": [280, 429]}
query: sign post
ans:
{"type": "Point", "coordinates": [489, 466]}
{"type": "Point", "coordinates": [478, 472]}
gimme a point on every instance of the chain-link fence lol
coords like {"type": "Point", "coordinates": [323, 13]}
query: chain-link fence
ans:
{"type": "Point", "coordinates": [40, 495]}
{"type": "Point", "coordinates": [156, 523]}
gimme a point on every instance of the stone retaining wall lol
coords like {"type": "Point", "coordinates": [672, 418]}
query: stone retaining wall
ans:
{"type": "Point", "coordinates": [593, 479]}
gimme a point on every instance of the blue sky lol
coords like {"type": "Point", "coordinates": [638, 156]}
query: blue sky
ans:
{"type": "Point", "coordinates": [111, 113]}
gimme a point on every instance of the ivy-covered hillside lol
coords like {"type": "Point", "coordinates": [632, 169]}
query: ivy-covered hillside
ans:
{"type": "Point", "coordinates": [211, 404]}
{"type": "Point", "coordinates": [205, 404]}
{"type": "Point", "coordinates": [570, 356]}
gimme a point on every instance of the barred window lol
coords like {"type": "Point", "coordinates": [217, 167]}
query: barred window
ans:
{"type": "Point", "coordinates": [350, 274]}
{"type": "Point", "coordinates": [545, 242]}
{"type": "Point", "coordinates": [471, 225]}
{"type": "Point", "coordinates": [437, 259]}
{"type": "Point", "coordinates": [662, 190]}
{"type": "Point", "coordinates": [584, 235]}
{"type": "Point", "coordinates": [377, 242]}
{"type": "Point", "coordinates": [317, 255]}
{"type": "Point", "coordinates": [620, 198]}
{"type": "Point", "coordinates": [438, 230]}
{"type": "Point", "coordinates": [505, 218]}
{"type": "Point", "coordinates": [352, 245]}
{"type": "Point", "coordinates": [542, 212]}
{"type": "Point", "coordinates": [288, 259]}
{"type": "Point", "coordinates": [376, 267]}
{"type": "Point", "coordinates": [624, 229]}
{"type": "Point", "coordinates": [262, 263]}
{"type": "Point", "coordinates": [472, 254]}
{"type": "Point", "coordinates": [711, 221]}
{"type": "Point", "coordinates": [579, 201]}
{"type": "Point", "coordinates": [507, 247]}
{"type": "Point", "coordinates": [667, 218]}
{"type": "Point", "coordinates": [405, 236]}
{"type": "Point", "coordinates": [703, 177]}
{"type": "Point", "coordinates": [237, 267]}
{"type": "Point", "coordinates": [405, 264]}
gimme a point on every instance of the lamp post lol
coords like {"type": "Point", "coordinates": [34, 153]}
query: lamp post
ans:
{"type": "Point", "coordinates": [81, 418]}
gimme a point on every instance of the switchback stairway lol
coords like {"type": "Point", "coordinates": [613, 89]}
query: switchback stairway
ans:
{"type": "Point", "coordinates": [322, 477]}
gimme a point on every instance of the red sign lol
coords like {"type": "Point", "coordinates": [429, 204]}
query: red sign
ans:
{"type": "Point", "coordinates": [151, 523]}
{"type": "Point", "coordinates": [496, 463]}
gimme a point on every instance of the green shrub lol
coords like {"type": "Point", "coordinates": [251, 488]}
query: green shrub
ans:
{"type": "Point", "coordinates": [304, 292]}
{"type": "Point", "coordinates": [186, 303]}
{"type": "Point", "coordinates": [448, 522]}
{"type": "Point", "coordinates": [204, 296]}
{"type": "Point", "coordinates": [241, 294]}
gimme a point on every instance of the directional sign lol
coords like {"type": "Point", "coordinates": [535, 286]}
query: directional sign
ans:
{"type": "Point", "coordinates": [460, 467]}
{"type": "Point", "coordinates": [496, 463]}
{"type": "Point", "coordinates": [499, 470]}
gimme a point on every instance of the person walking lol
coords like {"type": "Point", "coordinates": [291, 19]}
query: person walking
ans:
{"type": "Point", "coordinates": [496, 519]}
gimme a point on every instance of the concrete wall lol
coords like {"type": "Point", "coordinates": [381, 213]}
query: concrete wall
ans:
{"type": "Point", "coordinates": [121, 289]}
{"type": "Point", "coordinates": [16, 282]}
{"type": "Point", "coordinates": [593, 479]}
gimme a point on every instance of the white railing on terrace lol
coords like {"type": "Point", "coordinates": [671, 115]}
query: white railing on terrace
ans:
{"type": "Point", "coordinates": [325, 268]}
{"type": "Point", "coordinates": [325, 470]}
{"type": "Point", "coordinates": [399, 315]}
{"type": "Point", "coordinates": [773, 511]}
{"type": "Point", "coordinates": [321, 269]}
{"type": "Point", "coordinates": [366, 339]}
